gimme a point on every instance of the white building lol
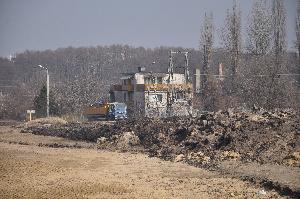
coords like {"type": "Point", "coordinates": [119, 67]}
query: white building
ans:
{"type": "Point", "coordinates": [154, 94]}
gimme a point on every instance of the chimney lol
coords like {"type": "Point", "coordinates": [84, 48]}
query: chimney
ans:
{"type": "Point", "coordinates": [141, 69]}
{"type": "Point", "coordinates": [197, 81]}
{"type": "Point", "coordinates": [221, 71]}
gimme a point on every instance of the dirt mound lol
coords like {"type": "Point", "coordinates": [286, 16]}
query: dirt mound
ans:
{"type": "Point", "coordinates": [256, 135]}
{"type": "Point", "coordinates": [210, 140]}
{"type": "Point", "coordinates": [74, 131]}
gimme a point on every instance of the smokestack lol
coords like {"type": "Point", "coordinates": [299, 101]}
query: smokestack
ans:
{"type": "Point", "coordinates": [141, 69]}
{"type": "Point", "coordinates": [197, 81]}
{"type": "Point", "coordinates": [221, 71]}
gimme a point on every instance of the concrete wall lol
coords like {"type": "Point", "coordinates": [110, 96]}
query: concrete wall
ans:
{"type": "Point", "coordinates": [154, 104]}
{"type": "Point", "coordinates": [119, 96]}
{"type": "Point", "coordinates": [139, 103]}
{"type": "Point", "coordinates": [139, 78]}
{"type": "Point", "coordinates": [156, 108]}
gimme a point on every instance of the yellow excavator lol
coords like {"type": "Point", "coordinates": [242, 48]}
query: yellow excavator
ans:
{"type": "Point", "coordinates": [105, 111]}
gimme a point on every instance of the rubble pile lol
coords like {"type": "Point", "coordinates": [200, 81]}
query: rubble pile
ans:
{"type": "Point", "coordinates": [256, 135]}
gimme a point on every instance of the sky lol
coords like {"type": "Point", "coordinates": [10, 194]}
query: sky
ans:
{"type": "Point", "coordinates": [51, 24]}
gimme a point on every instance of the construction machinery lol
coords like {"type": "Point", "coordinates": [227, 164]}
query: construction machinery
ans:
{"type": "Point", "coordinates": [106, 111]}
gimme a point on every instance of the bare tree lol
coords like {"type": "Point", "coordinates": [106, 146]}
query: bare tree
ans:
{"type": "Point", "coordinates": [298, 28]}
{"type": "Point", "coordinates": [254, 84]}
{"type": "Point", "coordinates": [263, 84]}
{"type": "Point", "coordinates": [279, 30]}
{"type": "Point", "coordinates": [206, 44]}
{"type": "Point", "coordinates": [231, 36]}
{"type": "Point", "coordinates": [298, 35]}
{"type": "Point", "coordinates": [231, 39]}
{"type": "Point", "coordinates": [259, 29]}
{"type": "Point", "coordinates": [206, 41]}
{"type": "Point", "coordinates": [279, 52]}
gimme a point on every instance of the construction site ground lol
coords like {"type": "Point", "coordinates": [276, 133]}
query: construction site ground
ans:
{"type": "Point", "coordinates": [35, 166]}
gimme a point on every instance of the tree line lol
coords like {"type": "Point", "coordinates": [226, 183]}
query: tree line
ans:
{"type": "Point", "coordinates": [260, 71]}
{"type": "Point", "coordinates": [257, 72]}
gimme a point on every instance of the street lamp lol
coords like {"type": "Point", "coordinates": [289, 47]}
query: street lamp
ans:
{"type": "Point", "coordinates": [45, 68]}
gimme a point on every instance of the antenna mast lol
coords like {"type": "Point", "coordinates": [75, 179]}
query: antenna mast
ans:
{"type": "Point", "coordinates": [171, 91]}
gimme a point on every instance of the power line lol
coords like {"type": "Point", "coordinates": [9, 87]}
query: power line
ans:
{"type": "Point", "coordinates": [280, 74]}
{"type": "Point", "coordinates": [8, 86]}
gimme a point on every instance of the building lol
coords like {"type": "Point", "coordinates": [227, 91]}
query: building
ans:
{"type": "Point", "coordinates": [154, 94]}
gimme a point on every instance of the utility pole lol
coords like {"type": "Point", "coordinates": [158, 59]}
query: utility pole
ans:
{"type": "Point", "coordinates": [45, 68]}
{"type": "Point", "coordinates": [47, 92]}
{"type": "Point", "coordinates": [171, 92]}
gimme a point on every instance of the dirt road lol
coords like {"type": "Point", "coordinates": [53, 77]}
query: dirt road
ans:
{"type": "Point", "coordinates": [31, 171]}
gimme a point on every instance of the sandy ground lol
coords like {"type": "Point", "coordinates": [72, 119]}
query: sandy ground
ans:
{"type": "Point", "coordinates": [31, 171]}
{"type": "Point", "coordinates": [13, 136]}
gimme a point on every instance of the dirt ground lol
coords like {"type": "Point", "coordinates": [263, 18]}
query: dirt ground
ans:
{"type": "Point", "coordinates": [29, 169]}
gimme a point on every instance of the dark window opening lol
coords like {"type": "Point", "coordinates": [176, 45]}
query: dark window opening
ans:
{"type": "Point", "coordinates": [130, 96]}
{"type": "Point", "coordinates": [147, 80]}
{"type": "Point", "coordinates": [124, 97]}
{"type": "Point", "coordinates": [127, 82]}
{"type": "Point", "coordinates": [159, 97]}
{"type": "Point", "coordinates": [159, 80]}
{"type": "Point", "coordinates": [112, 97]}
{"type": "Point", "coordinates": [179, 95]}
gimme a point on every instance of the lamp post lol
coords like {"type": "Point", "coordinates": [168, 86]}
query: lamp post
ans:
{"type": "Point", "coordinates": [45, 68]}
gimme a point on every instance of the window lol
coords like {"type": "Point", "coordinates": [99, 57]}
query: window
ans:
{"type": "Point", "coordinates": [155, 98]}
{"type": "Point", "coordinates": [152, 98]}
{"type": "Point", "coordinates": [152, 80]}
{"type": "Point", "coordinates": [147, 80]}
{"type": "Point", "coordinates": [112, 97]}
{"type": "Point", "coordinates": [159, 97]}
{"type": "Point", "coordinates": [130, 96]}
{"type": "Point", "coordinates": [159, 80]}
{"type": "Point", "coordinates": [179, 96]}
{"type": "Point", "coordinates": [127, 81]}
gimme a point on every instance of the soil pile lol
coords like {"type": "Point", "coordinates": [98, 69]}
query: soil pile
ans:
{"type": "Point", "coordinates": [247, 135]}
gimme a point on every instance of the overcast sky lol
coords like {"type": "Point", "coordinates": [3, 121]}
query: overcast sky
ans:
{"type": "Point", "coordinates": [50, 24]}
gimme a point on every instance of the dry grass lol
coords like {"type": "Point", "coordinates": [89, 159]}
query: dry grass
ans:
{"type": "Point", "coordinates": [43, 121]}
{"type": "Point", "coordinates": [13, 135]}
